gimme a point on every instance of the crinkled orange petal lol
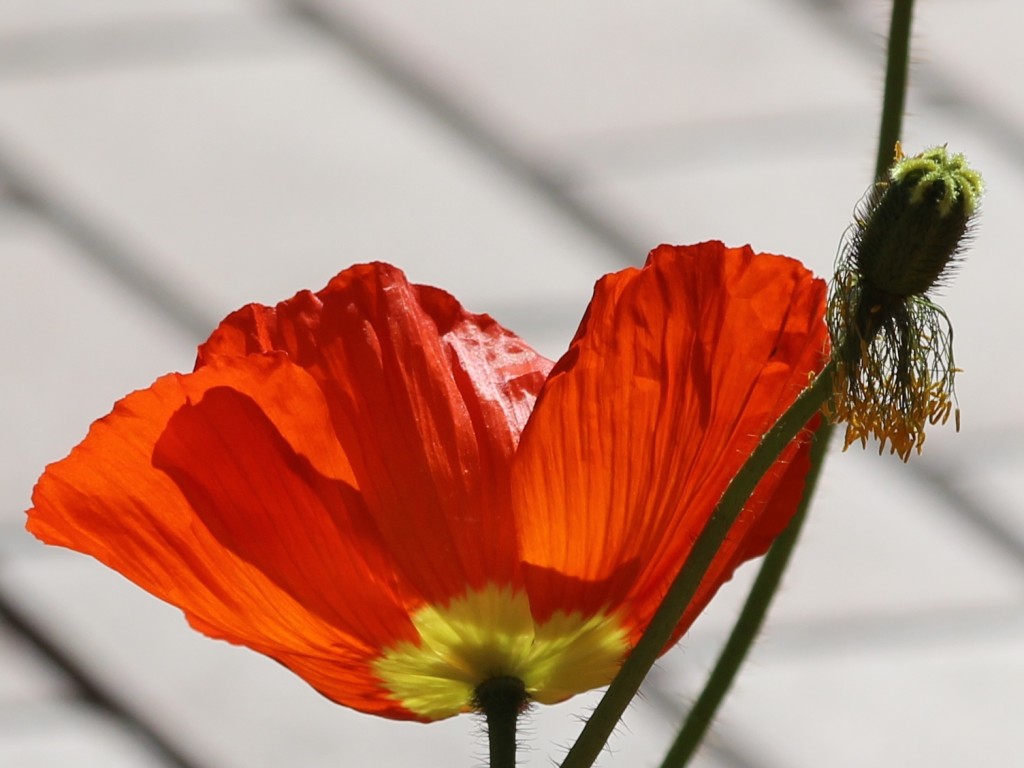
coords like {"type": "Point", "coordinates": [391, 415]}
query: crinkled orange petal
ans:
{"type": "Point", "coordinates": [268, 507]}
{"type": "Point", "coordinates": [193, 490]}
{"type": "Point", "coordinates": [428, 402]}
{"type": "Point", "coordinates": [675, 373]}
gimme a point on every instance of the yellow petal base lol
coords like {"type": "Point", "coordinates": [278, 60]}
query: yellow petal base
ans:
{"type": "Point", "coordinates": [491, 633]}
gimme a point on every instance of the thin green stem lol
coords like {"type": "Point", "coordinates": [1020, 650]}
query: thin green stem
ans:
{"type": "Point", "coordinates": [895, 85]}
{"type": "Point", "coordinates": [625, 685]}
{"type": "Point", "coordinates": [501, 700]}
{"type": "Point", "coordinates": [750, 620]}
{"type": "Point", "coordinates": [752, 616]}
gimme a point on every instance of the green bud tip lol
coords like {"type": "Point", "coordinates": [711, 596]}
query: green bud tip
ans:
{"type": "Point", "coordinates": [937, 175]}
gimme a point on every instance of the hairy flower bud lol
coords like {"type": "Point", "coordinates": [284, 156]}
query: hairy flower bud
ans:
{"type": "Point", "coordinates": [893, 345]}
{"type": "Point", "coordinates": [914, 225]}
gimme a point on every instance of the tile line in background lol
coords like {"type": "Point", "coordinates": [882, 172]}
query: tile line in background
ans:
{"type": "Point", "coordinates": [720, 743]}
{"type": "Point", "coordinates": [77, 49]}
{"type": "Point", "coordinates": [798, 640]}
{"type": "Point", "coordinates": [104, 249]}
{"type": "Point", "coordinates": [346, 35]}
{"type": "Point", "coordinates": [959, 503]}
{"type": "Point", "coordinates": [90, 690]}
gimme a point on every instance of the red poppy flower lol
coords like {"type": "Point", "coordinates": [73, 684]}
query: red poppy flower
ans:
{"type": "Point", "coordinates": [398, 499]}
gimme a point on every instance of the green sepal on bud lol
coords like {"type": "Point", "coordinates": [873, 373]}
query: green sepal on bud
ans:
{"type": "Point", "coordinates": [893, 346]}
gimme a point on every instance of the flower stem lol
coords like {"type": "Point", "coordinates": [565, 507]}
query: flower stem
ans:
{"type": "Point", "coordinates": [895, 84]}
{"type": "Point", "coordinates": [750, 620]}
{"type": "Point", "coordinates": [501, 700]}
{"type": "Point", "coordinates": [636, 666]}
{"type": "Point", "coordinates": [752, 616]}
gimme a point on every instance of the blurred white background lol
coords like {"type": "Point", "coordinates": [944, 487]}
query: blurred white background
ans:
{"type": "Point", "coordinates": [163, 162]}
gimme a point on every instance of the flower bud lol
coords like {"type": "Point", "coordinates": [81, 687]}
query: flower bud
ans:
{"type": "Point", "coordinates": [892, 345]}
{"type": "Point", "coordinates": [914, 225]}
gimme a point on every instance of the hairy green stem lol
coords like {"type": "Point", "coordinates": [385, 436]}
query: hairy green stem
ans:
{"type": "Point", "coordinates": [750, 620]}
{"type": "Point", "coordinates": [752, 616]}
{"type": "Point", "coordinates": [625, 685]}
{"type": "Point", "coordinates": [501, 700]}
{"type": "Point", "coordinates": [893, 102]}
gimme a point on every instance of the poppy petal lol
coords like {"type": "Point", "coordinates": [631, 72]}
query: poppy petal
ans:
{"type": "Point", "coordinates": [160, 491]}
{"type": "Point", "coordinates": [267, 506]}
{"type": "Point", "coordinates": [675, 373]}
{"type": "Point", "coordinates": [428, 402]}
